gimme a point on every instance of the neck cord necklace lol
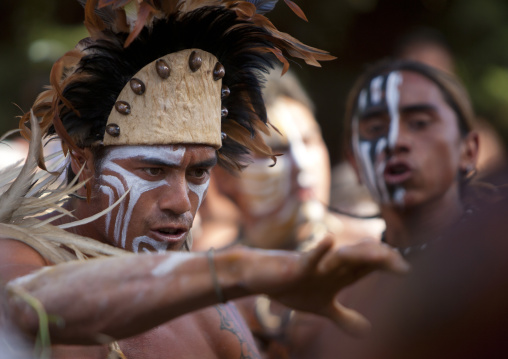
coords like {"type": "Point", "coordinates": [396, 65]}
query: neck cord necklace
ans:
{"type": "Point", "coordinates": [406, 251]}
{"type": "Point", "coordinates": [418, 248]}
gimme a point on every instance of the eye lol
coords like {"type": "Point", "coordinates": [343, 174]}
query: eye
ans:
{"type": "Point", "coordinates": [153, 171]}
{"type": "Point", "coordinates": [373, 128]}
{"type": "Point", "coordinates": [419, 123]}
{"type": "Point", "coordinates": [199, 174]}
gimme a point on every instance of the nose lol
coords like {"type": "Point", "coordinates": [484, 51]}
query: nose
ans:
{"type": "Point", "coordinates": [175, 197]}
{"type": "Point", "coordinates": [402, 142]}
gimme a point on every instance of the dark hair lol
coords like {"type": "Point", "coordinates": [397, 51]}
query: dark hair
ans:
{"type": "Point", "coordinates": [108, 66]}
{"type": "Point", "coordinates": [98, 154]}
{"type": "Point", "coordinates": [453, 91]}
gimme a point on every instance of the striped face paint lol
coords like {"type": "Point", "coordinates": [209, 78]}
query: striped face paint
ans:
{"type": "Point", "coordinates": [116, 180]}
{"type": "Point", "coordinates": [375, 129]}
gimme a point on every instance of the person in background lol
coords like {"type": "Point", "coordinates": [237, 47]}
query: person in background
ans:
{"type": "Point", "coordinates": [284, 206]}
{"type": "Point", "coordinates": [281, 206]}
{"type": "Point", "coordinates": [429, 46]}
{"type": "Point", "coordinates": [410, 136]}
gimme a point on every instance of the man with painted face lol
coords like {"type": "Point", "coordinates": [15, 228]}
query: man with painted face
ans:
{"type": "Point", "coordinates": [413, 146]}
{"type": "Point", "coordinates": [145, 108]}
{"type": "Point", "coordinates": [409, 137]}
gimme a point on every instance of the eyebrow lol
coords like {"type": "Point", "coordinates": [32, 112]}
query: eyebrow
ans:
{"type": "Point", "coordinates": [206, 163]}
{"type": "Point", "coordinates": [418, 108]}
{"type": "Point", "coordinates": [374, 112]}
{"type": "Point", "coordinates": [380, 111]}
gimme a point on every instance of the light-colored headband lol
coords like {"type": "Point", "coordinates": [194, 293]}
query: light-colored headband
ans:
{"type": "Point", "coordinates": [175, 99]}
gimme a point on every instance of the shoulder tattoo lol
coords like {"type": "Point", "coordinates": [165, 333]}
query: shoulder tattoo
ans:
{"type": "Point", "coordinates": [231, 321]}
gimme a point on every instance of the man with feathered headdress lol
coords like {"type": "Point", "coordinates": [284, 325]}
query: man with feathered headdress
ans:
{"type": "Point", "coordinates": [145, 108]}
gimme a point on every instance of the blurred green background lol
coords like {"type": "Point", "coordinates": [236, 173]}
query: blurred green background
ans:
{"type": "Point", "coordinates": [35, 33]}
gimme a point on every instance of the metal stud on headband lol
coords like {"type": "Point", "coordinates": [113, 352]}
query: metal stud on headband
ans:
{"type": "Point", "coordinates": [167, 100]}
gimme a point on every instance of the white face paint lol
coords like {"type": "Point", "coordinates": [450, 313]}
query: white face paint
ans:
{"type": "Point", "coordinates": [370, 153]}
{"type": "Point", "coordinates": [119, 180]}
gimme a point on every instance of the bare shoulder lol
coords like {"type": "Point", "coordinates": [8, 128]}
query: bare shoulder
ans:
{"type": "Point", "coordinates": [230, 327]}
{"type": "Point", "coordinates": [18, 259]}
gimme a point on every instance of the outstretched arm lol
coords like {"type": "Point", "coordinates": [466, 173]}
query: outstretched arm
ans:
{"type": "Point", "coordinates": [123, 296]}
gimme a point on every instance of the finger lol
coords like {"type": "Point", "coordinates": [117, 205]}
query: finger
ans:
{"type": "Point", "coordinates": [367, 253]}
{"type": "Point", "coordinates": [349, 320]}
{"type": "Point", "coordinates": [314, 256]}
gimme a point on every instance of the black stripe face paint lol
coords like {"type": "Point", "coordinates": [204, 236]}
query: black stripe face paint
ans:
{"type": "Point", "coordinates": [375, 129]}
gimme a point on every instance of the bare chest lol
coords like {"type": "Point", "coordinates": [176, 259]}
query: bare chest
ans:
{"type": "Point", "coordinates": [213, 333]}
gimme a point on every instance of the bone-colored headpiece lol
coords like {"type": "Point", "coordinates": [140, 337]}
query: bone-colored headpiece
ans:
{"type": "Point", "coordinates": [175, 99]}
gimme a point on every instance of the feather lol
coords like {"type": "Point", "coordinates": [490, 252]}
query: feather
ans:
{"type": "Point", "coordinates": [85, 82]}
{"type": "Point", "coordinates": [93, 22]}
{"type": "Point", "coordinates": [12, 198]}
{"type": "Point", "coordinates": [18, 208]}
{"type": "Point", "coordinates": [95, 216]}
{"type": "Point", "coordinates": [8, 134]}
{"type": "Point", "coordinates": [144, 13]}
{"type": "Point", "coordinates": [113, 3]}
{"type": "Point", "coordinates": [263, 6]}
{"type": "Point", "coordinates": [296, 9]}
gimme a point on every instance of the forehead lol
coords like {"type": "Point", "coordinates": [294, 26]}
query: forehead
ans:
{"type": "Point", "coordinates": [170, 153]}
{"type": "Point", "coordinates": [291, 118]}
{"type": "Point", "coordinates": [413, 89]}
{"type": "Point", "coordinates": [418, 89]}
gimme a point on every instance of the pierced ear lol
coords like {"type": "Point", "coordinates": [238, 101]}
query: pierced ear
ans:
{"type": "Point", "coordinates": [469, 152]}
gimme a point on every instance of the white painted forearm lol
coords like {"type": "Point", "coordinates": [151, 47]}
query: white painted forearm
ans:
{"type": "Point", "coordinates": [117, 297]}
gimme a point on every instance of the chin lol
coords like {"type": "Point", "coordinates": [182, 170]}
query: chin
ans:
{"type": "Point", "coordinates": [410, 201]}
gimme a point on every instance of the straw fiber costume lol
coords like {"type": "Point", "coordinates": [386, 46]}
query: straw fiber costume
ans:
{"type": "Point", "coordinates": [152, 72]}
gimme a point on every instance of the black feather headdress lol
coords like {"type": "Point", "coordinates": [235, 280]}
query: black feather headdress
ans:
{"type": "Point", "coordinates": [86, 81]}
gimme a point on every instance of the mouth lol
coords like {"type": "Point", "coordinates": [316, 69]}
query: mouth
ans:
{"type": "Point", "coordinates": [397, 173]}
{"type": "Point", "coordinates": [169, 234]}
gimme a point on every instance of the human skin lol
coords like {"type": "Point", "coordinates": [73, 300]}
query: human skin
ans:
{"type": "Point", "coordinates": [426, 160]}
{"type": "Point", "coordinates": [166, 187]}
{"type": "Point", "coordinates": [432, 152]}
{"type": "Point", "coordinates": [271, 199]}
{"type": "Point", "coordinates": [142, 299]}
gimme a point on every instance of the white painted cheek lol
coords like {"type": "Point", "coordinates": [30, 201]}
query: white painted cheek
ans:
{"type": "Point", "coordinates": [361, 150]}
{"type": "Point", "coordinates": [394, 81]}
{"type": "Point", "coordinates": [137, 185]}
{"type": "Point", "coordinates": [380, 165]}
{"type": "Point", "coordinates": [199, 190]}
{"type": "Point", "coordinates": [108, 192]}
{"type": "Point", "coordinates": [110, 182]}
{"type": "Point", "coordinates": [367, 171]}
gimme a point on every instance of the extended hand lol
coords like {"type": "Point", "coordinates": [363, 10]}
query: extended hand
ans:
{"type": "Point", "coordinates": [313, 281]}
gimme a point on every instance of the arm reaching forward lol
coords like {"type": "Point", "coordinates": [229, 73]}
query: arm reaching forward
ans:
{"type": "Point", "coordinates": [123, 296]}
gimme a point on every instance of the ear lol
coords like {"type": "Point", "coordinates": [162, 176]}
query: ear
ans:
{"type": "Point", "coordinates": [352, 161]}
{"type": "Point", "coordinates": [83, 162]}
{"type": "Point", "coordinates": [469, 152]}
